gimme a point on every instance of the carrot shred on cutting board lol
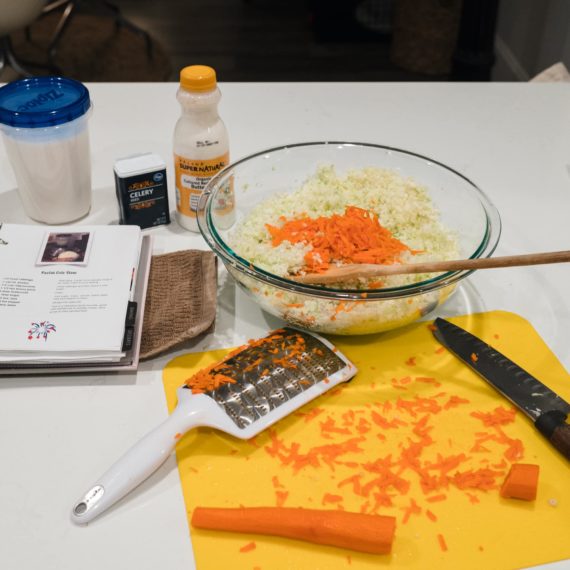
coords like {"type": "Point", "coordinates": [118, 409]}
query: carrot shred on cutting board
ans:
{"type": "Point", "coordinates": [436, 498]}
{"type": "Point", "coordinates": [442, 543]}
{"type": "Point", "coordinates": [356, 236]}
{"type": "Point", "coordinates": [499, 416]}
{"type": "Point", "coordinates": [431, 516]}
{"type": "Point", "coordinates": [281, 497]}
{"type": "Point", "coordinates": [248, 547]}
{"type": "Point", "coordinates": [364, 533]}
{"type": "Point", "coordinates": [521, 482]}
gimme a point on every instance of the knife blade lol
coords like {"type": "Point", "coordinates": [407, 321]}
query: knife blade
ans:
{"type": "Point", "coordinates": [547, 410]}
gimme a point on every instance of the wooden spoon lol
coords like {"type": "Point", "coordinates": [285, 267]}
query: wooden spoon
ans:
{"type": "Point", "coordinates": [349, 272]}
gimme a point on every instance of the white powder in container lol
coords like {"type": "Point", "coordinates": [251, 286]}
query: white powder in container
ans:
{"type": "Point", "coordinates": [44, 121]}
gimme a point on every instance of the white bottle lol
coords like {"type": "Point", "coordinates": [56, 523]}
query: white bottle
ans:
{"type": "Point", "coordinates": [201, 146]}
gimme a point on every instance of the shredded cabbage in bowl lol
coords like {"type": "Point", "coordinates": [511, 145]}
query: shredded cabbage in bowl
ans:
{"type": "Point", "coordinates": [402, 206]}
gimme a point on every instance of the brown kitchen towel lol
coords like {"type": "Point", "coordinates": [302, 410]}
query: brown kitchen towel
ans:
{"type": "Point", "coordinates": [180, 300]}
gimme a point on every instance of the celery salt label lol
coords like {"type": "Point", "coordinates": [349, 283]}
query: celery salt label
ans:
{"type": "Point", "coordinates": [140, 182]}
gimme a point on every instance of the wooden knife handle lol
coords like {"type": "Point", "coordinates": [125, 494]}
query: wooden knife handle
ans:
{"type": "Point", "coordinates": [554, 427]}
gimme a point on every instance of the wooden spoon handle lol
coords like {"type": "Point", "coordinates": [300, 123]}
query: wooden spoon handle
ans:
{"type": "Point", "coordinates": [354, 271]}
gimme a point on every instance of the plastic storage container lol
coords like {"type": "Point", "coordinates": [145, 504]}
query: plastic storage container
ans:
{"type": "Point", "coordinates": [201, 146]}
{"type": "Point", "coordinates": [44, 121]}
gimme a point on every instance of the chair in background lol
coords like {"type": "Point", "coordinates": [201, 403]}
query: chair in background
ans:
{"type": "Point", "coordinates": [70, 7]}
{"type": "Point", "coordinates": [16, 15]}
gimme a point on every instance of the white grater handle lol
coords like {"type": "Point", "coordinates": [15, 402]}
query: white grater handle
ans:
{"type": "Point", "coordinates": [141, 461]}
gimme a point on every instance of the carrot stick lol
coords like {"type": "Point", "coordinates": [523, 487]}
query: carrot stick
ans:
{"type": "Point", "coordinates": [365, 533]}
{"type": "Point", "coordinates": [521, 482]}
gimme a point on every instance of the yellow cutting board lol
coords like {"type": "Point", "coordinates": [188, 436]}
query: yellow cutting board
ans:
{"type": "Point", "coordinates": [401, 373]}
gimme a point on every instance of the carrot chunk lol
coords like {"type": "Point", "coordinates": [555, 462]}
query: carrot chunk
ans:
{"type": "Point", "coordinates": [521, 482]}
{"type": "Point", "coordinates": [364, 533]}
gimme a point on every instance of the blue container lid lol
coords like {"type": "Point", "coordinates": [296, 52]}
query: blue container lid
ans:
{"type": "Point", "coordinates": [42, 102]}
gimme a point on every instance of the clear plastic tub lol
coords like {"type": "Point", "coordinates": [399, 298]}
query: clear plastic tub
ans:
{"type": "Point", "coordinates": [44, 122]}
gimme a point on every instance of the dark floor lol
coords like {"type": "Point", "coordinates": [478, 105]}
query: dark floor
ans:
{"type": "Point", "coordinates": [273, 40]}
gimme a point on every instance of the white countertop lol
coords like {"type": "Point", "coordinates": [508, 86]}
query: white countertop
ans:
{"type": "Point", "coordinates": [57, 434]}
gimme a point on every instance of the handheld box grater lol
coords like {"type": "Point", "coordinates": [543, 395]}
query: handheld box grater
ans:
{"type": "Point", "coordinates": [250, 390]}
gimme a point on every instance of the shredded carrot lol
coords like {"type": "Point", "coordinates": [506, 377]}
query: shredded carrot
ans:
{"type": "Point", "coordinates": [330, 498]}
{"type": "Point", "coordinates": [474, 357]}
{"type": "Point", "coordinates": [213, 376]}
{"type": "Point", "coordinates": [353, 237]}
{"type": "Point", "coordinates": [281, 497]}
{"type": "Point", "coordinates": [474, 499]}
{"type": "Point", "coordinates": [428, 380]}
{"type": "Point", "coordinates": [454, 401]}
{"type": "Point", "coordinates": [483, 478]}
{"type": "Point", "coordinates": [431, 516]}
{"type": "Point", "coordinates": [248, 547]}
{"type": "Point", "coordinates": [412, 509]}
{"type": "Point", "coordinates": [276, 483]}
{"type": "Point", "coordinates": [499, 416]}
{"type": "Point", "coordinates": [435, 498]}
{"type": "Point", "coordinates": [442, 543]}
{"type": "Point", "coordinates": [310, 415]}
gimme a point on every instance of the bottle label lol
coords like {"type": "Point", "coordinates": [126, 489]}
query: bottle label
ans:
{"type": "Point", "coordinates": [192, 176]}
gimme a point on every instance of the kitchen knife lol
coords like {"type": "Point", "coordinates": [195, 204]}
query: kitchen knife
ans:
{"type": "Point", "coordinates": [547, 410]}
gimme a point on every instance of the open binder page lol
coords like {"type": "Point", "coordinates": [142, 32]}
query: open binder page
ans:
{"type": "Point", "coordinates": [64, 291]}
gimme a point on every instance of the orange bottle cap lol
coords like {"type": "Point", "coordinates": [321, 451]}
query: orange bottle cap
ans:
{"type": "Point", "coordinates": [198, 78]}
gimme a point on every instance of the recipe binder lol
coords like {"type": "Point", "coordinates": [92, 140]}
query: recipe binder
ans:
{"type": "Point", "coordinates": [129, 362]}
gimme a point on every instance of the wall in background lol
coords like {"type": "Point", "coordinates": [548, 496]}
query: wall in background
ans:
{"type": "Point", "coordinates": [531, 36]}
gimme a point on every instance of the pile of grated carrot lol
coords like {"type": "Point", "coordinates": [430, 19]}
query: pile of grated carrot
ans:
{"type": "Point", "coordinates": [353, 237]}
{"type": "Point", "coordinates": [380, 485]}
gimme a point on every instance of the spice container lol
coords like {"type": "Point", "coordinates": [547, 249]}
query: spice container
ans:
{"type": "Point", "coordinates": [201, 147]}
{"type": "Point", "coordinates": [44, 126]}
{"type": "Point", "coordinates": [140, 183]}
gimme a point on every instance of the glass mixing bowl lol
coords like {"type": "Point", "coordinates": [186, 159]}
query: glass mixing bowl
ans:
{"type": "Point", "coordinates": [463, 207]}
